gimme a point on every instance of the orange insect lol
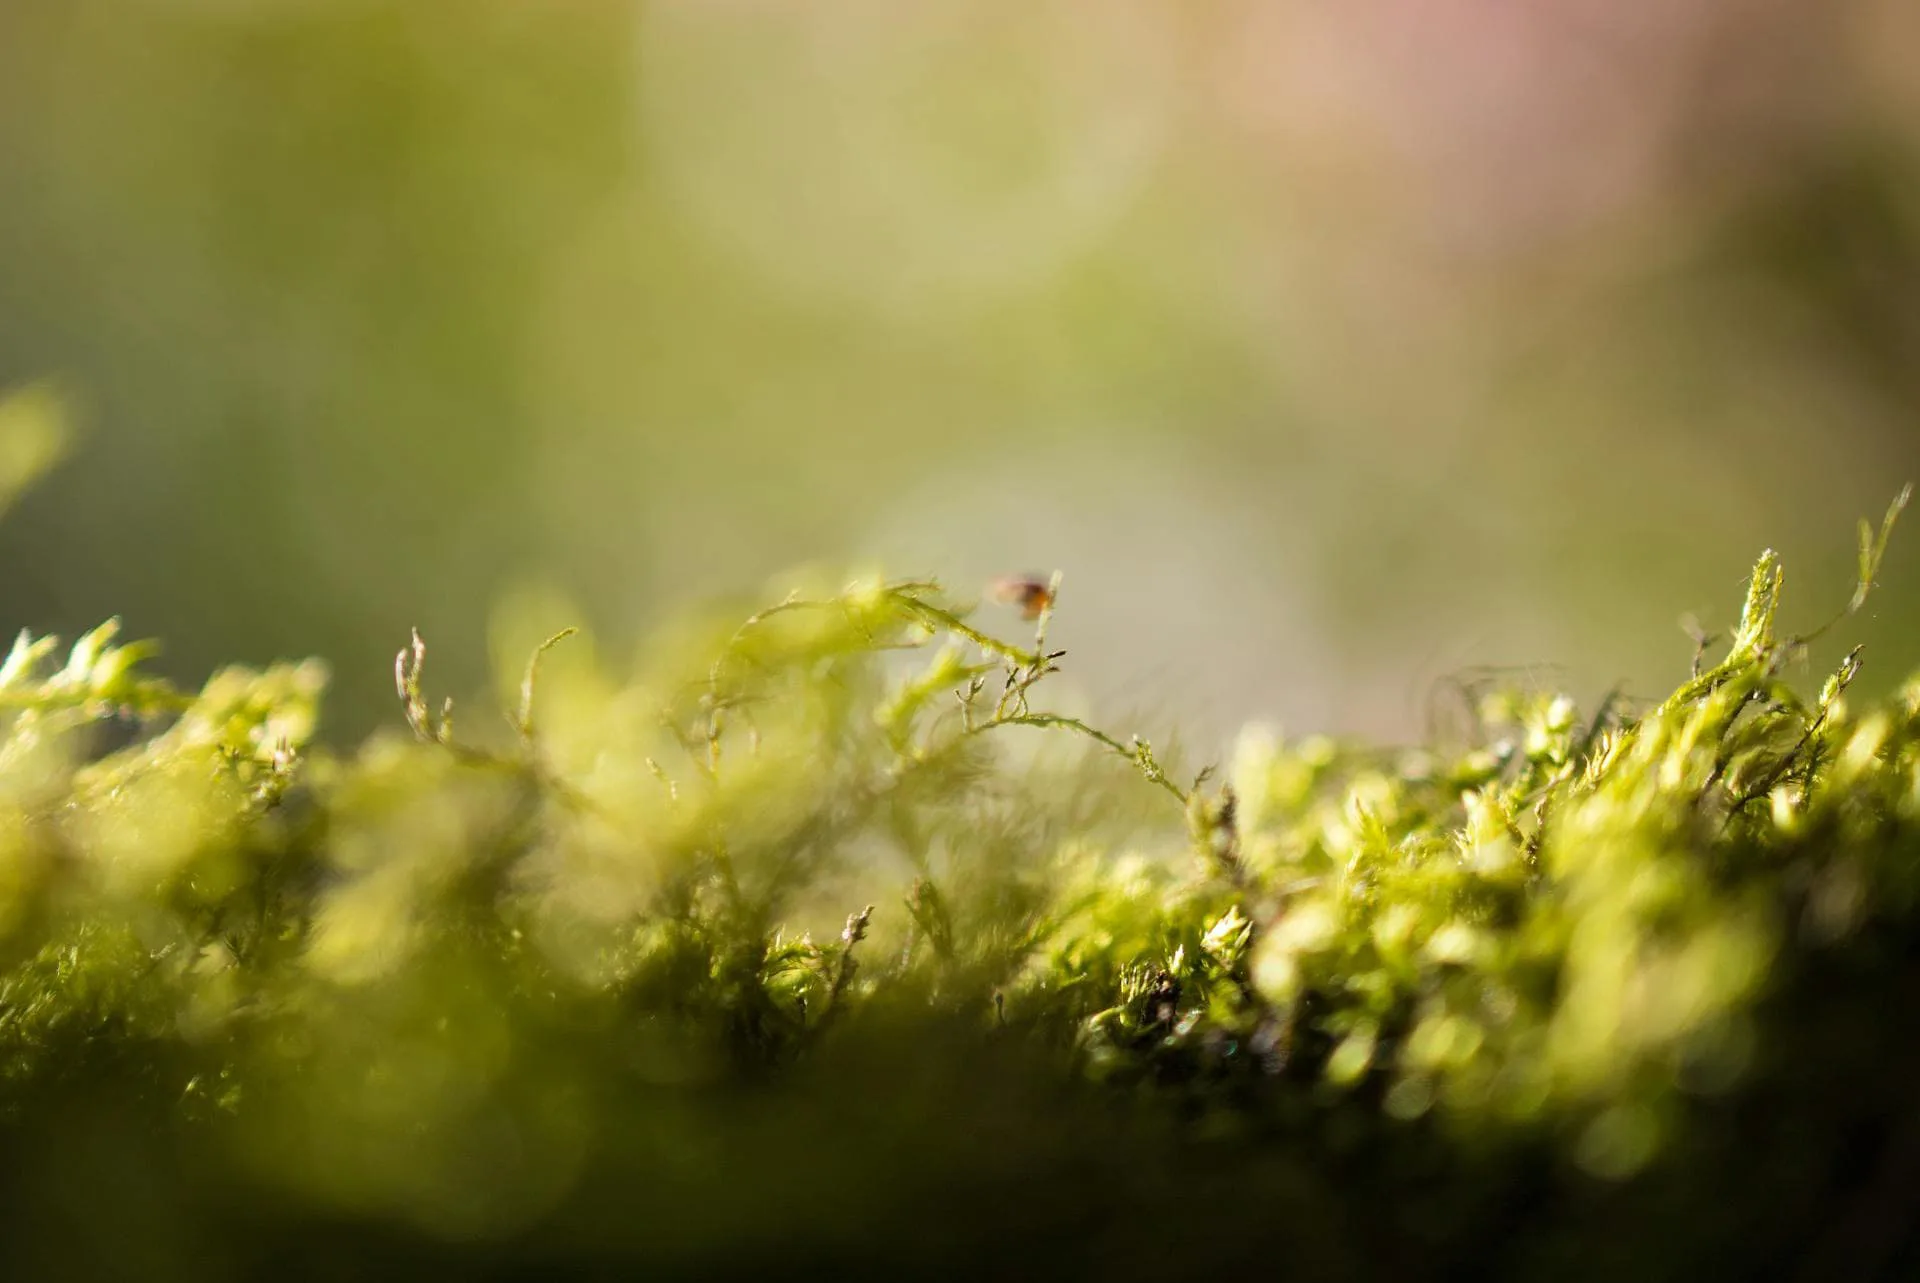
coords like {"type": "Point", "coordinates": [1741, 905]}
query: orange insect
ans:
{"type": "Point", "coordinates": [1029, 592]}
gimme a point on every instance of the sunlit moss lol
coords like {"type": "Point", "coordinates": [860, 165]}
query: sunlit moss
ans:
{"type": "Point", "coordinates": [794, 840]}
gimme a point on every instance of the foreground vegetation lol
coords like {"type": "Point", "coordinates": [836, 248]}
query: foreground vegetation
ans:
{"type": "Point", "coordinates": [822, 945]}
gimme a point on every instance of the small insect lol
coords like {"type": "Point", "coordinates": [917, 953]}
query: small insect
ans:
{"type": "Point", "coordinates": [1030, 593]}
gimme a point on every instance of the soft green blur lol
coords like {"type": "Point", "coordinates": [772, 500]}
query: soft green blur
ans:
{"type": "Point", "coordinates": [1328, 349]}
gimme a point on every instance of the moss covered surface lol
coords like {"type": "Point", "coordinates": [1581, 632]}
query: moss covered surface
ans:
{"type": "Point", "coordinates": [817, 945]}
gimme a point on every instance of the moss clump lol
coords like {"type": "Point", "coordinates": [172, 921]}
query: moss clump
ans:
{"type": "Point", "coordinates": [775, 956]}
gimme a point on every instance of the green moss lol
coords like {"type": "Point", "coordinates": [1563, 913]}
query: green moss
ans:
{"type": "Point", "coordinates": [775, 953]}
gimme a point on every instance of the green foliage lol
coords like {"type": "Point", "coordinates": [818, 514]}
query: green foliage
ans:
{"type": "Point", "coordinates": [803, 874]}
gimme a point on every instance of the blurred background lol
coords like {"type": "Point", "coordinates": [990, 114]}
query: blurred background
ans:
{"type": "Point", "coordinates": [1329, 350]}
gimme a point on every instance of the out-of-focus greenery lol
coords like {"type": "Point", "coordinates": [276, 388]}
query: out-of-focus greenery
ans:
{"type": "Point", "coordinates": [1327, 347]}
{"type": "Point", "coordinates": [1317, 336]}
{"type": "Point", "coordinates": [821, 946]}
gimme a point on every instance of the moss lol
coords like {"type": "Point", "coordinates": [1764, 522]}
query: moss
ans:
{"type": "Point", "coordinates": [774, 956]}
